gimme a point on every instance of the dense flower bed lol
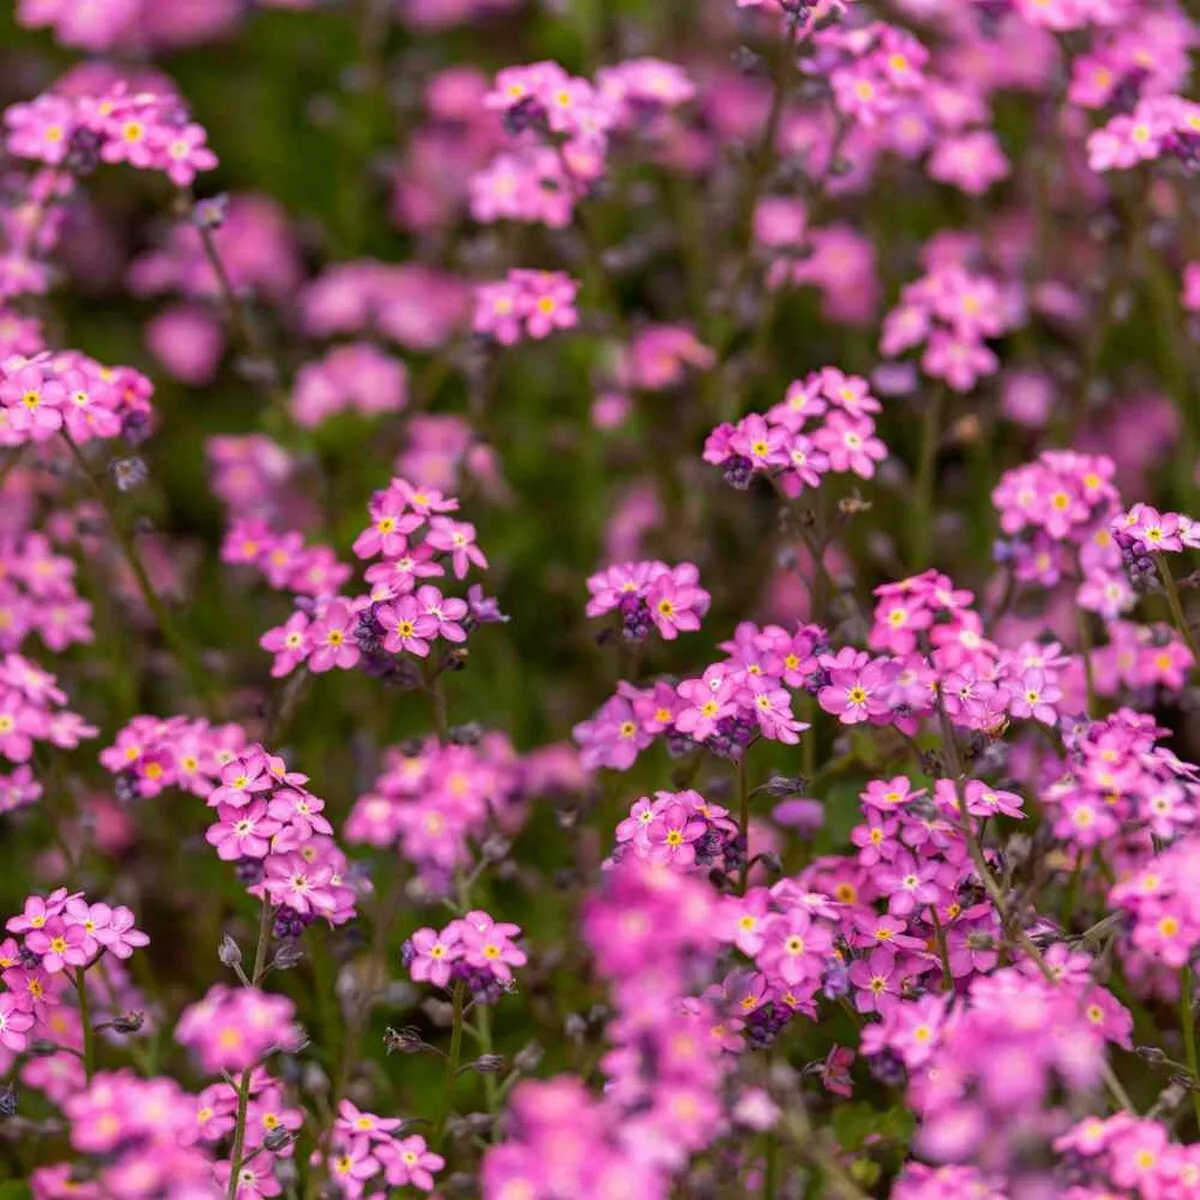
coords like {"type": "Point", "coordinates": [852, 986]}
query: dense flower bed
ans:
{"type": "Point", "coordinates": [599, 600]}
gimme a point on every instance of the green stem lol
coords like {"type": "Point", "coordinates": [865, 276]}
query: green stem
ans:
{"type": "Point", "coordinates": [184, 651]}
{"type": "Point", "coordinates": [923, 495]}
{"type": "Point", "coordinates": [1187, 1020]}
{"type": "Point", "coordinates": [1176, 606]}
{"type": "Point", "coordinates": [85, 1019]}
{"type": "Point", "coordinates": [943, 950]}
{"type": "Point", "coordinates": [770, 1187]}
{"type": "Point", "coordinates": [490, 1082]}
{"type": "Point", "coordinates": [236, 1159]}
{"type": "Point", "coordinates": [743, 785]}
{"type": "Point", "coordinates": [452, 1062]}
{"type": "Point", "coordinates": [1085, 649]}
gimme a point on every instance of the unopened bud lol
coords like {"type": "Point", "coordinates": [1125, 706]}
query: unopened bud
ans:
{"type": "Point", "coordinates": [526, 1059]}
{"type": "Point", "coordinates": [229, 952]}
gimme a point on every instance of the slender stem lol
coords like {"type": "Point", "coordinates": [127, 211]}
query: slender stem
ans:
{"type": "Point", "coordinates": [770, 1186]}
{"type": "Point", "coordinates": [236, 1160]}
{"type": "Point", "coordinates": [85, 1018]}
{"type": "Point", "coordinates": [183, 649]}
{"type": "Point", "coordinates": [490, 1082]}
{"type": "Point", "coordinates": [452, 1061]}
{"type": "Point", "coordinates": [743, 784]}
{"type": "Point", "coordinates": [943, 949]}
{"type": "Point", "coordinates": [1187, 1021]}
{"type": "Point", "coordinates": [923, 495]}
{"type": "Point", "coordinates": [237, 311]}
{"type": "Point", "coordinates": [1085, 649]}
{"type": "Point", "coordinates": [1176, 606]}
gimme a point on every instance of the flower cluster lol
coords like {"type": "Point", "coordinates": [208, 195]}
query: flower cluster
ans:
{"type": "Point", "coordinates": [559, 125]}
{"type": "Point", "coordinates": [139, 1135]}
{"type": "Point", "coordinates": [1056, 513]}
{"type": "Point", "coordinates": [365, 1145]}
{"type": "Point", "coordinates": [150, 132]}
{"type": "Point", "coordinates": [284, 560]}
{"type": "Point", "coordinates": [782, 445]}
{"type": "Point", "coordinates": [234, 1029]}
{"type": "Point", "coordinates": [524, 304]}
{"type": "Point", "coordinates": [435, 801]}
{"type": "Point", "coordinates": [32, 711]}
{"type": "Point", "coordinates": [358, 377]}
{"type": "Point", "coordinates": [1158, 126]}
{"type": "Point", "coordinates": [952, 313]}
{"type": "Point", "coordinates": [474, 950]}
{"type": "Point", "coordinates": [38, 595]}
{"type": "Point", "coordinates": [70, 393]}
{"type": "Point", "coordinates": [650, 595]}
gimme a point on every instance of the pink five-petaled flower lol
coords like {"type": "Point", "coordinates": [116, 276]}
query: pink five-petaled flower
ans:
{"type": "Point", "coordinates": [456, 538]}
{"type": "Point", "coordinates": [409, 1161]}
{"type": "Point", "coordinates": [331, 637]}
{"type": "Point", "coordinates": [60, 945]}
{"type": "Point", "coordinates": [289, 643]}
{"type": "Point", "coordinates": [14, 1023]}
{"type": "Point", "coordinates": [242, 832]}
{"type": "Point", "coordinates": [434, 954]}
{"type": "Point", "coordinates": [489, 947]}
{"type": "Point", "coordinates": [408, 627]}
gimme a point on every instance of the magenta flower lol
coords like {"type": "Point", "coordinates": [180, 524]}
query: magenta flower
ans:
{"type": "Point", "coordinates": [434, 955]}
{"type": "Point", "coordinates": [14, 1023]}
{"type": "Point", "coordinates": [408, 626]}
{"type": "Point", "coordinates": [407, 1161]}
{"type": "Point", "coordinates": [331, 637]}
{"type": "Point", "coordinates": [457, 539]}
{"type": "Point", "coordinates": [242, 832]}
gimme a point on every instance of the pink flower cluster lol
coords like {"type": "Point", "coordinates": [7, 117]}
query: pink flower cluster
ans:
{"type": "Point", "coordinates": [1128, 1154]}
{"type": "Point", "coordinates": [780, 444]}
{"type": "Point", "coordinates": [871, 68]}
{"type": "Point", "coordinates": [283, 559]}
{"type": "Point", "coordinates": [474, 950]}
{"type": "Point", "coordinates": [148, 131]}
{"type": "Point", "coordinates": [1057, 511]}
{"type": "Point", "coordinates": [1042, 1042]}
{"type": "Point", "coordinates": [650, 595]}
{"type": "Point", "coordinates": [234, 1029]}
{"type": "Point", "coordinates": [358, 377]}
{"type": "Point", "coordinates": [266, 820]}
{"type": "Point", "coordinates": [952, 312]}
{"type": "Point", "coordinates": [38, 595]}
{"type": "Point", "coordinates": [560, 127]}
{"type": "Point", "coordinates": [272, 826]}
{"type": "Point", "coordinates": [400, 614]}
{"type": "Point", "coordinates": [434, 801]}
{"type": "Point", "coordinates": [418, 307]}
{"type": "Point", "coordinates": [1147, 530]}
{"type": "Point", "coordinates": [1157, 126]}
{"type": "Point", "coordinates": [139, 1132]}
{"type": "Point", "coordinates": [31, 711]}
{"type": "Point", "coordinates": [364, 1145]}
{"type": "Point", "coordinates": [49, 393]}
{"type": "Point", "coordinates": [524, 304]}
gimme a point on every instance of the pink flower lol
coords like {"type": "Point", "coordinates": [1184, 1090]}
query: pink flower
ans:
{"type": "Point", "coordinates": [331, 637]}
{"type": "Point", "coordinates": [407, 1161]}
{"type": "Point", "coordinates": [408, 626]}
